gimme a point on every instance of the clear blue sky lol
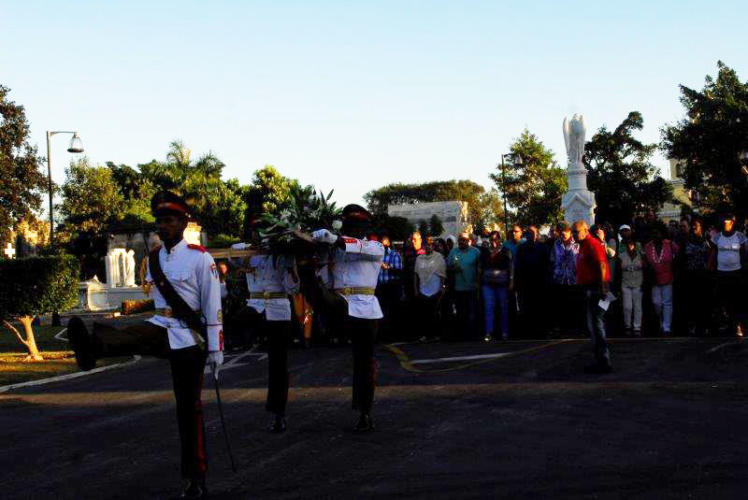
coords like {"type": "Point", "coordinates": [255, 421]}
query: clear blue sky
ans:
{"type": "Point", "coordinates": [352, 95]}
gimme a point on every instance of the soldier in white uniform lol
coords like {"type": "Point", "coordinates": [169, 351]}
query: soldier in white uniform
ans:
{"type": "Point", "coordinates": [271, 279]}
{"type": "Point", "coordinates": [355, 269]}
{"type": "Point", "coordinates": [186, 340]}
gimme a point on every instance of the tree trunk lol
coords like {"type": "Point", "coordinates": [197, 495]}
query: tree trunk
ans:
{"type": "Point", "coordinates": [30, 342]}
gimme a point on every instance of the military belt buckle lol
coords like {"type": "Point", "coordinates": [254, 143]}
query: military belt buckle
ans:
{"type": "Point", "coordinates": [266, 295]}
{"type": "Point", "coordinates": [347, 291]}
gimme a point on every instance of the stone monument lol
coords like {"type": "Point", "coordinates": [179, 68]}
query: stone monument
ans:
{"type": "Point", "coordinates": [578, 203]}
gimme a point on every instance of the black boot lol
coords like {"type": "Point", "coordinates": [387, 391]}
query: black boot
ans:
{"type": "Point", "coordinates": [277, 424]}
{"type": "Point", "coordinates": [364, 424]}
{"type": "Point", "coordinates": [81, 343]}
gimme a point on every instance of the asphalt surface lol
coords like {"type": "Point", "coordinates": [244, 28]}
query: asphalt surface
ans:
{"type": "Point", "coordinates": [507, 420]}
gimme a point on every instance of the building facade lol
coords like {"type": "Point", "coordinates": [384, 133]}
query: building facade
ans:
{"type": "Point", "coordinates": [453, 214]}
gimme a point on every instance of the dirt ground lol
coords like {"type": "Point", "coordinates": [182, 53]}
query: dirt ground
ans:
{"type": "Point", "coordinates": [501, 420]}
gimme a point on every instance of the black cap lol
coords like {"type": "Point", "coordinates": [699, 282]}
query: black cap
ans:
{"type": "Point", "coordinates": [355, 213]}
{"type": "Point", "coordinates": [168, 203]}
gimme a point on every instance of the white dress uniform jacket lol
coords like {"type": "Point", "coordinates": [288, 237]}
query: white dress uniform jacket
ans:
{"type": "Point", "coordinates": [274, 277]}
{"type": "Point", "coordinates": [358, 267]}
{"type": "Point", "coordinates": [193, 274]}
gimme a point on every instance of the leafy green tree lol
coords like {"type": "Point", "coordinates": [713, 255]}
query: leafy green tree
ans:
{"type": "Point", "coordinates": [90, 197]}
{"type": "Point", "coordinates": [436, 228]}
{"type": "Point", "coordinates": [34, 286]}
{"type": "Point", "coordinates": [398, 228]}
{"type": "Point", "coordinates": [535, 185]}
{"type": "Point", "coordinates": [461, 190]}
{"type": "Point", "coordinates": [621, 173]}
{"type": "Point", "coordinates": [709, 140]}
{"type": "Point", "coordinates": [22, 181]}
{"type": "Point", "coordinates": [269, 193]}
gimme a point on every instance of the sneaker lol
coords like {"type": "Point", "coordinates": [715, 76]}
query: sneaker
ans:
{"type": "Point", "coordinates": [194, 488]}
{"type": "Point", "coordinates": [487, 338]}
{"type": "Point", "coordinates": [364, 424]}
{"type": "Point", "coordinates": [277, 424]}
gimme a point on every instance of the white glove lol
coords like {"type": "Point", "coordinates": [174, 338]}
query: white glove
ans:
{"type": "Point", "coordinates": [215, 360]}
{"type": "Point", "coordinates": [324, 236]}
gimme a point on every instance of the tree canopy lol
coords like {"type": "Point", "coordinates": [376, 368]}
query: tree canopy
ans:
{"type": "Point", "coordinates": [22, 180]}
{"type": "Point", "coordinates": [535, 184]}
{"type": "Point", "coordinates": [34, 286]}
{"type": "Point", "coordinates": [710, 138]}
{"type": "Point", "coordinates": [621, 173]}
{"type": "Point", "coordinates": [480, 204]}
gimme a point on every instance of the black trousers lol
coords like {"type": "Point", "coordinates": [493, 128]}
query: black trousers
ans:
{"type": "Point", "coordinates": [126, 337]}
{"type": "Point", "coordinates": [363, 334]}
{"type": "Point", "coordinates": [278, 335]}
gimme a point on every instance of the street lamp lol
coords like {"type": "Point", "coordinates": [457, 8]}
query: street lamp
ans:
{"type": "Point", "coordinates": [517, 161]}
{"type": "Point", "coordinates": [76, 146]}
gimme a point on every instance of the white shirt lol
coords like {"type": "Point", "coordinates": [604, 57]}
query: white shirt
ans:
{"type": "Point", "coordinates": [358, 267]}
{"type": "Point", "coordinates": [432, 286]}
{"type": "Point", "coordinates": [269, 276]}
{"type": "Point", "coordinates": [193, 274]}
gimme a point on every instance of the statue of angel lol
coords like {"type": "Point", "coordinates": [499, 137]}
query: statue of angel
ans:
{"type": "Point", "coordinates": [574, 131]}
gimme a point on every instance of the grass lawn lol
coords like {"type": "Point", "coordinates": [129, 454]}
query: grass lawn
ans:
{"type": "Point", "coordinates": [58, 358]}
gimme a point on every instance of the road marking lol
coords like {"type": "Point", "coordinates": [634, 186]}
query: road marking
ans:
{"type": "Point", "coordinates": [717, 348]}
{"type": "Point", "coordinates": [234, 360]}
{"type": "Point", "coordinates": [408, 365]}
{"type": "Point", "coordinates": [69, 376]}
{"type": "Point", "coordinates": [460, 358]}
{"type": "Point", "coordinates": [58, 335]}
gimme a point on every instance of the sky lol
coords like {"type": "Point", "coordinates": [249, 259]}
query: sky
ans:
{"type": "Point", "coordinates": [352, 95]}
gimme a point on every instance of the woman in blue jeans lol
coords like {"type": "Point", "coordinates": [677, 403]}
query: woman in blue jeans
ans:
{"type": "Point", "coordinates": [497, 281]}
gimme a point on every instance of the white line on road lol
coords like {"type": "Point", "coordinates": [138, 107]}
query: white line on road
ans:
{"type": "Point", "coordinates": [234, 360]}
{"type": "Point", "coordinates": [459, 358]}
{"type": "Point", "coordinates": [58, 335]}
{"type": "Point", "coordinates": [69, 376]}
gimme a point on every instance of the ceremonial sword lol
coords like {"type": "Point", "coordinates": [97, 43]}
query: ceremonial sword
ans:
{"type": "Point", "coordinates": [223, 421]}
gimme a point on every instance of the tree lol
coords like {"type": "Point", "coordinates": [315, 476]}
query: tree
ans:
{"type": "Point", "coordinates": [710, 138]}
{"type": "Point", "coordinates": [398, 228]}
{"type": "Point", "coordinates": [461, 190]}
{"type": "Point", "coordinates": [90, 197]}
{"type": "Point", "coordinates": [436, 228]}
{"type": "Point", "coordinates": [534, 187]}
{"type": "Point", "coordinates": [621, 174]}
{"type": "Point", "coordinates": [22, 181]}
{"type": "Point", "coordinates": [269, 193]}
{"type": "Point", "coordinates": [34, 286]}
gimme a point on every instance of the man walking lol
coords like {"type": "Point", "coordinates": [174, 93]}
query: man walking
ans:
{"type": "Point", "coordinates": [356, 264]}
{"type": "Point", "coordinates": [593, 275]}
{"type": "Point", "coordinates": [186, 329]}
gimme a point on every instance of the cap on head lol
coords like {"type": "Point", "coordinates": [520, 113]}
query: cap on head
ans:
{"type": "Point", "coordinates": [168, 203]}
{"type": "Point", "coordinates": [356, 213]}
{"type": "Point", "coordinates": [624, 227]}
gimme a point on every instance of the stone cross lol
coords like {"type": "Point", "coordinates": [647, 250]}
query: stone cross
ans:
{"type": "Point", "coordinates": [10, 251]}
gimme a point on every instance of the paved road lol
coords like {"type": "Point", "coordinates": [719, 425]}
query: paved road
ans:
{"type": "Point", "coordinates": [504, 420]}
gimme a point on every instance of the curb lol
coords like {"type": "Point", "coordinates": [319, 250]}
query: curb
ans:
{"type": "Point", "coordinates": [69, 376]}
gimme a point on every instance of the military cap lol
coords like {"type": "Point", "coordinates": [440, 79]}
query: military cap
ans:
{"type": "Point", "coordinates": [355, 212]}
{"type": "Point", "coordinates": [168, 203]}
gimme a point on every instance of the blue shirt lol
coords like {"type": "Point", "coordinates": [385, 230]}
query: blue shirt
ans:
{"type": "Point", "coordinates": [393, 260]}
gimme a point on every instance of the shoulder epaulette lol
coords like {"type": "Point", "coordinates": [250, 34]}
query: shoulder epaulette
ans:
{"type": "Point", "coordinates": [197, 247]}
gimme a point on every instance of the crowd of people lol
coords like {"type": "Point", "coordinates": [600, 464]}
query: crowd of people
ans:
{"type": "Point", "coordinates": [681, 278]}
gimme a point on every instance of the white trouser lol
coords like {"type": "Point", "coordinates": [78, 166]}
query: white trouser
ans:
{"type": "Point", "coordinates": [632, 306]}
{"type": "Point", "coordinates": [662, 299]}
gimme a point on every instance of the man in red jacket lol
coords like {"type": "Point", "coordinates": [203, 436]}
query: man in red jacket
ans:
{"type": "Point", "coordinates": [593, 275]}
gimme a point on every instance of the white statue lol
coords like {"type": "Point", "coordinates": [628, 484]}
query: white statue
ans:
{"type": "Point", "coordinates": [578, 203]}
{"type": "Point", "coordinates": [113, 267]}
{"type": "Point", "coordinates": [574, 131]}
{"type": "Point", "coordinates": [129, 264]}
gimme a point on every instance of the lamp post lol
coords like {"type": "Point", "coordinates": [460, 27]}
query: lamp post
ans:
{"type": "Point", "coordinates": [516, 160]}
{"type": "Point", "coordinates": [76, 146]}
